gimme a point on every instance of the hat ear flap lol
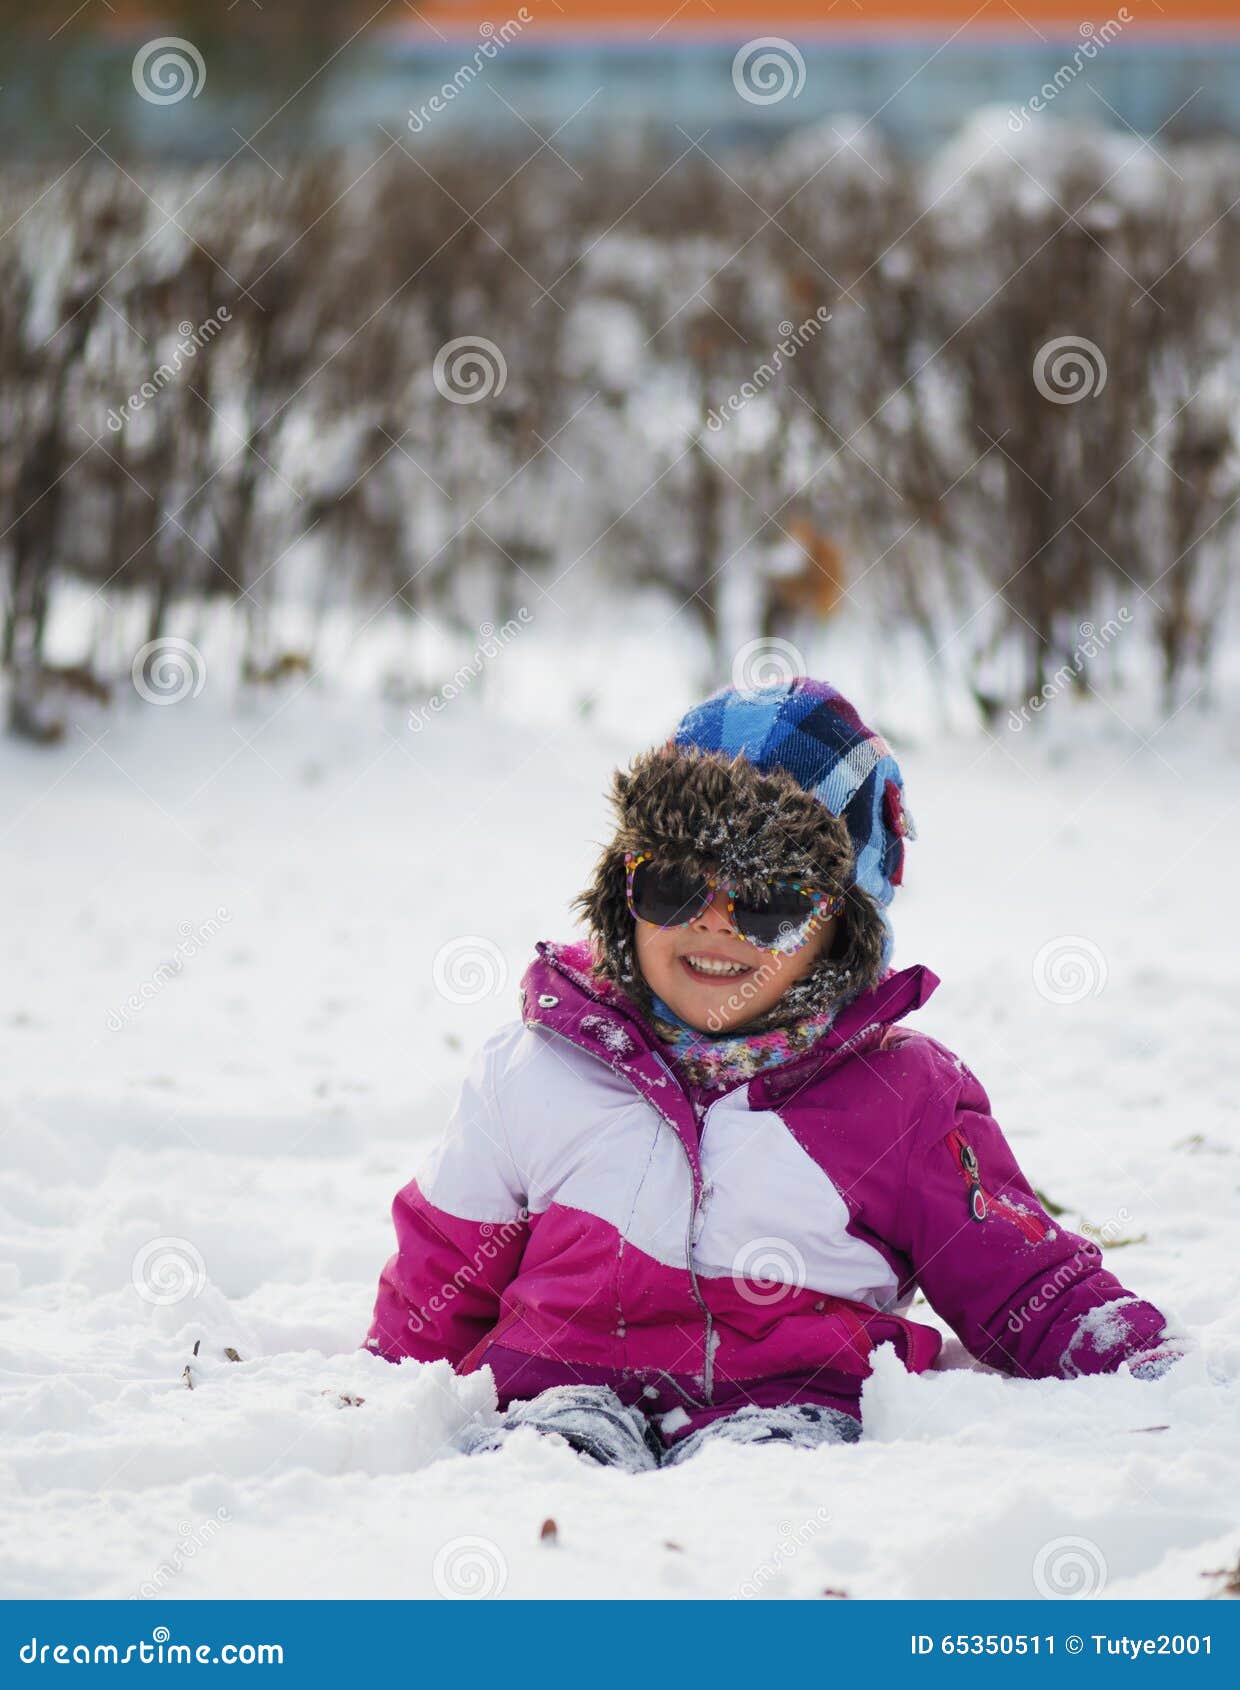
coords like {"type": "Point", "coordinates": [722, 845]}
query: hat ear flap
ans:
{"type": "Point", "coordinates": [895, 813]}
{"type": "Point", "coordinates": [899, 825]}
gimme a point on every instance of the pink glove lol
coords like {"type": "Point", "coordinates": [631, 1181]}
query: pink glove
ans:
{"type": "Point", "coordinates": [1152, 1364]}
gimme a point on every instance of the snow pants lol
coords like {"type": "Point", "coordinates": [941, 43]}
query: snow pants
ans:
{"type": "Point", "coordinates": [592, 1420]}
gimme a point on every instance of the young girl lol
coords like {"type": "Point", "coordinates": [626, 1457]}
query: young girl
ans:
{"type": "Point", "coordinates": [693, 1188]}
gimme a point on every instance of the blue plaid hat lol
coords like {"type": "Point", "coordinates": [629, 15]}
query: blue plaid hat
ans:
{"type": "Point", "coordinates": [808, 729]}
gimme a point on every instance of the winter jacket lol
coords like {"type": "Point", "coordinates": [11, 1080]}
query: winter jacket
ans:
{"type": "Point", "coordinates": [587, 1219]}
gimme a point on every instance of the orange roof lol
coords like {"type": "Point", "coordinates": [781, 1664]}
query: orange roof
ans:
{"type": "Point", "coordinates": [662, 18]}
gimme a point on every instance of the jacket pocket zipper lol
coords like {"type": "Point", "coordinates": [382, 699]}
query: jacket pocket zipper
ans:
{"type": "Point", "coordinates": [982, 1202]}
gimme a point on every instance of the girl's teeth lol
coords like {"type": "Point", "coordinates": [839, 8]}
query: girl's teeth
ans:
{"type": "Point", "coordinates": [707, 965]}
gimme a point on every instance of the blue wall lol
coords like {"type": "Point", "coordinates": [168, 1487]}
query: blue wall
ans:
{"type": "Point", "coordinates": [47, 94]}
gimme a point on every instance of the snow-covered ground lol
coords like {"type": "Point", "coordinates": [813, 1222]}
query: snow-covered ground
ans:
{"type": "Point", "coordinates": [230, 1026]}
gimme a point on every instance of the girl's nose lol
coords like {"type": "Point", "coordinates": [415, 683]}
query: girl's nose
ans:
{"type": "Point", "coordinates": [714, 918]}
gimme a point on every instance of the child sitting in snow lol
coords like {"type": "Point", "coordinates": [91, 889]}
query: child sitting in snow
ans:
{"type": "Point", "coordinates": [689, 1192]}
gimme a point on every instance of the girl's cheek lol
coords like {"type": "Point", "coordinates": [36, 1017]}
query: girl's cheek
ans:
{"type": "Point", "coordinates": [653, 949]}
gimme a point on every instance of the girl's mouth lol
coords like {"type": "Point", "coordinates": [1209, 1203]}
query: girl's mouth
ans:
{"type": "Point", "coordinates": [701, 966]}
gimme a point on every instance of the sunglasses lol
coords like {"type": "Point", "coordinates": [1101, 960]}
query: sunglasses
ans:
{"type": "Point", "coordinates": [776, 915]}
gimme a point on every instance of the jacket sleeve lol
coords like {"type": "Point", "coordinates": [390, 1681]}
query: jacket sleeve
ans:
{"type": "Point", "coordinates": [1024, 1294]}
{"type": "Point", "coordinates": [461, 1229]}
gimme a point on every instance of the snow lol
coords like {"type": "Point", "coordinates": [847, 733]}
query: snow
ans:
{"type": "Point", "coordinates": [608, 1034]}
{"type": "Point", "coordinates": [1033, 160]}
{"type": "Point", "coordinates": [215, 1166]}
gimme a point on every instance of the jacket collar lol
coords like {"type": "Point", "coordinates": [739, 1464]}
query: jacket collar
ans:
{"type": "Point", "coordinates": [560, 991]}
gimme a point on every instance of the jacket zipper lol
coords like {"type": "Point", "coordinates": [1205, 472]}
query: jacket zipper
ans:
{"type": "Point", "coordinates": [708, 1372]}
{"type": "Point", "coordinates": [982, 1202]}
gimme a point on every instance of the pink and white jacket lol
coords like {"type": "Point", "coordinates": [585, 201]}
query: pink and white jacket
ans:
{"type": "Point", "coordinates": [587, 1219]}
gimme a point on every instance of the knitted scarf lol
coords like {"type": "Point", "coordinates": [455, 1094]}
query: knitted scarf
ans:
{"type": "Point", "coordinates": [712, 1060]}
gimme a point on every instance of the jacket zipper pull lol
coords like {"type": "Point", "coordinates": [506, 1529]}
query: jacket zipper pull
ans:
{"type": "Point", "coordinates": [973, 1173]}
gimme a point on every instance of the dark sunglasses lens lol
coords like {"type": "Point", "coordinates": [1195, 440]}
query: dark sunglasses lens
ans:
{"type": "Point", "coordinates": [665, 898]}
{"type": "Point", "coordinates": [776, 917]}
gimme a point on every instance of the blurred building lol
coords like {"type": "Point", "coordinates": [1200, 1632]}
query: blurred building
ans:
{"type": "Point", "coordinates": [920, 65]}
{"type": "Point", "coordinates": [588, 67]}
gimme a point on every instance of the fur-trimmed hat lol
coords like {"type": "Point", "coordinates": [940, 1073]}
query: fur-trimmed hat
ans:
{"type": "Point", "coordinates": [787, 782]}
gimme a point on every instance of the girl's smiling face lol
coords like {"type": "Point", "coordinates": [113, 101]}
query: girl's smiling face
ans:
{"type": "Point", "coordinates": [714, 979]}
